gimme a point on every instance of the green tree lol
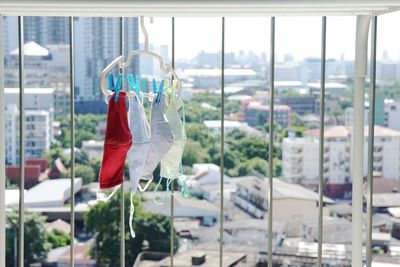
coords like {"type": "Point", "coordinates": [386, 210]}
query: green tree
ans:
{"type": "Point", "coordinates": [255, 164]}
{"type": "Point", "coordinates": [232, 106]}
{"type": "Point", "coordinates": [258, 165]}
{"type": "Point", "coordinates": [260, 118]}
{"type": "Point", "coordinates": [95, 164]}
{"type": "Point", "coordinates": [86, 172]}
{"type": "Point", "coordinates": [35, 245]}
{"type": "Point", "coordinates": [57, 152]}
{"type": "Point", "coordinates": [103, 221]}
{"type": "Point", "coordinates": [198, 132]}
{"type": "Point", "coordinates": [250, 148]}
{"type": "Point", "coordinates": [82, 135]}
{"type": "Point", "coordinates": [194, 153]}
{"type": "Point", "coordinates": [57, 238]}
{"type": "Point", "coordinates": [230, 159]}
{"type": "Point", "coordinates": [298, 131]}
{"type": "Point", "coordinates": [81, 157]}
{"type": "Point", "coordinates": [196, 113]}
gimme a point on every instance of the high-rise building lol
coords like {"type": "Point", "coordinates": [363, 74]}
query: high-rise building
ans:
{"type": "Point", "coordinates": [97, 43]}
{"type": "Point", "coordinates": [38, 133]}
{"type": "Point", "coordinates": [46, 30]}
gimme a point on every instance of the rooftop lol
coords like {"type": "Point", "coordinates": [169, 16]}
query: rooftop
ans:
{"type": "Point", "coordinates": [184, 207]}
{"type": "Point", "coordinates": [32, 49]}
{"type": "Point", "coordinates": [288, 84]}
{"type": "Point", "coordinates": [346, 131]}
{"type": "Point", "coordinates": [382, 200]}
{"type": "Point", "coordinates": [230, 258]}
{"type": "Point", "coordinates": [51, 193]}
{"type": "Point", "coordinates": [328, 85]}
{"type": "Point", "coordinates": [282, 190]}
{"type": "Point", "coordinates": [258, 106]}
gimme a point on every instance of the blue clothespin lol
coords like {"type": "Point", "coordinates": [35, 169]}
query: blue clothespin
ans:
{"type": "Point", "coordinates": [158, 91]}
{"type": "Point", "coordinates": [135, 86]}
{"type": "Point", "coordinates": [111, 81]}
{"type": "Point", "coordinates": [155, 86]}
{"type": "Point", "coordinates": [117, 87]}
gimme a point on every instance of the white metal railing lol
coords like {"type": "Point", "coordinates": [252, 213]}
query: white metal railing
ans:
{"type": "Point", "coordinates": [72, 118]}
{"type": "Point", "coordinates": [364, 16]}
{"type": "Point", "coordinates": [21, 142]}
{"type": "Point", "coordinates": [321, 144]}
{"type": "Point", "coordinates": [271, 141]}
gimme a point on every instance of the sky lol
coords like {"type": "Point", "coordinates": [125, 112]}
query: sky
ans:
{"type": "Point", "coordinates": [299, 36]}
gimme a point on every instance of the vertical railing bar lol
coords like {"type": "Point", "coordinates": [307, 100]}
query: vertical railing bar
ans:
{"type": "Point", "coordinates": [271, 141]}
{"type": "Point", "coordinates": [21, 142]}
{"type": "Point", "coordinates": [221, 215]}
{"type": "Point", "coordinates": [2, 154]}
{"type": "Point", "coordinates": [321, 144]}
{"type": "Point", "coordinates": [72, 118]}
{"type": "Point", "coordinates": [371, 131]}
{"type": "Point", "coordinates": [122, 200]}
{"type": "Point", "coordinates": [172, 230]}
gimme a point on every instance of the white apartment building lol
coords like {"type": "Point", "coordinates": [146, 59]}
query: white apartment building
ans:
{"type": "Point", "coordinates": [349, 115]}
{"type": "Point", "coordinates": [297, 153]}
{"type": "Point", "coordinates": [300, 155]}
{"type": "Point", "coordinates": [50, 99]}
{"type": "Point", "coordinates": [392, 114]}
{"type": "Point", "coordinates": [37, 133]}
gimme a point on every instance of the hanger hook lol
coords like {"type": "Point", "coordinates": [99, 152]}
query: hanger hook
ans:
{"type": "Point", "coordinates": [144, 31]}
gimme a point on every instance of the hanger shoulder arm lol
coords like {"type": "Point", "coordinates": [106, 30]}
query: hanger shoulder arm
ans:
{"type": "Point", "coordinates": [103, 87]}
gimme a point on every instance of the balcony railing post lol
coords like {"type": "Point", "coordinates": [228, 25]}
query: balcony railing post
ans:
{"type": "Point", "coordinates": [361, 57]}
{"type": "Point", "coordinates": [2, 155]}
{"type": "Point", "coordinates": [21, 143]}
{"type": "Point", "coordinates": [271, 142]}
{"type": "Point", "coordinates": [221, 217]}
{"type": "Point", "coordinates": [72, 118]}
{"type": "Point", "coordinates": [122, 200]}
{"type": "Point", "coordinates": [321, 144]}
{"type": "Point", "coordinates": [371, 129]}
{"type": "Point", "coordinates": [172, 230]}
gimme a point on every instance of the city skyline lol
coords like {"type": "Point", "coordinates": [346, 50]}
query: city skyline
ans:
{"type": "Point", "coordinates": [238, 37]}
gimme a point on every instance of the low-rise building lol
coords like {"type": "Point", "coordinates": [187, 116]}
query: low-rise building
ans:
{"type": "Point", "coordinates": [290, 200]}
{"type": "Point", "coordinates": [332, 88]}
{"type": "Point", "coordinates": [298, 151]}
{"type": "Point", "coordinates": [50, 193]}
{"type": "Point", "coordinates": [206, 212]}
{"type": "Point", "coordinates": [256, 113]}
{"type": "Point", "coordinates": [205, 173]}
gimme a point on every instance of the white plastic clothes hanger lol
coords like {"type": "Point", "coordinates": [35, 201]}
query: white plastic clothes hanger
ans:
{"type": "Point", "coordinates": [122, 64]}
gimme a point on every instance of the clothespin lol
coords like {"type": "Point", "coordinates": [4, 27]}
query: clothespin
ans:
{"type": "Point", "coordinates": [154, 86]}
{"type": "Point", "coordinates": [171, 91]}
{"type": "Point", "coordinates": [135, 86]}
{"type": "Point", "coordinates": [115, 88]}
{"type": "Point", "coordinates": [118, 87]}
{"type": "Point", "coordinates": [158, 91]}
{"type": "Point", "coordinates": [111, 81]}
